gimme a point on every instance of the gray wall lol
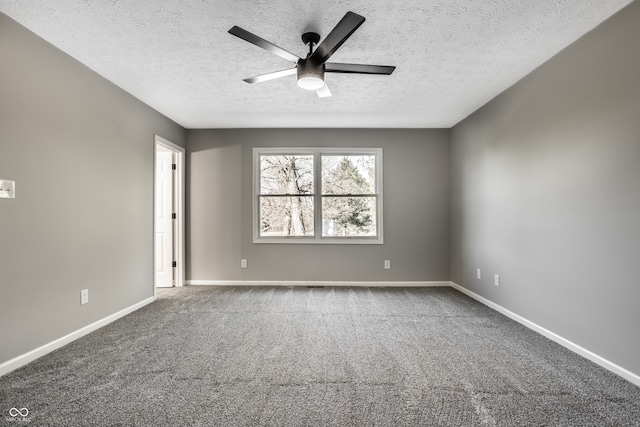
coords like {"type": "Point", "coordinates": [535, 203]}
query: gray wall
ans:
{"type": "Point", "coordinates": [546, 193]}
{"type": "Point", "coordinates": [81, 152]}
{"type": "Point", "coordinates": [416, 209]}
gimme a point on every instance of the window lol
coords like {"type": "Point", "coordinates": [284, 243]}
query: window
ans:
{"type": "Point", "coordinates": [317, 195]}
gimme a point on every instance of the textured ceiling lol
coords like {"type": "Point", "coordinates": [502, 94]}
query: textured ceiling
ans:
{"type": "Point", "coordinates": [452, 56]}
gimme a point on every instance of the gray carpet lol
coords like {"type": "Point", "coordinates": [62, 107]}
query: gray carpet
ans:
{"type": "Point", "coordinates": [234, 356]}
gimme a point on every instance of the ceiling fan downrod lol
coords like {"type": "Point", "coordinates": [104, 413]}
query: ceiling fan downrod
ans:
{"type": "Point", "coordinates": [311, 39]}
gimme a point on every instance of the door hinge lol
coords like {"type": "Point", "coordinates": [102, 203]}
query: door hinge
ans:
{"type": "Point", "coordinates": [173, 166]}
{"type": "Point", "coordinates": [174, 264]}
{"type": "Point", "coordinates": [173, 216]}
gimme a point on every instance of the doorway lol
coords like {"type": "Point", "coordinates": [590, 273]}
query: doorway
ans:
{"type": "Point", "coordinates": [168, 214]}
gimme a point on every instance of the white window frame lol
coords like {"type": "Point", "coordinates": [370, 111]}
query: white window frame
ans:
{"type": "Point", "coordinates": [317, 153]}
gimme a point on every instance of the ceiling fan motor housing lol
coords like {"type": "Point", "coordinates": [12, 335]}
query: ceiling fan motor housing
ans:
{"type": "Point", "coordinates": [310, 74]}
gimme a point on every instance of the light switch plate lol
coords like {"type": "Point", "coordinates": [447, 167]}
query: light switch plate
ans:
{"type": "Point", "coordinates": [7, 189]}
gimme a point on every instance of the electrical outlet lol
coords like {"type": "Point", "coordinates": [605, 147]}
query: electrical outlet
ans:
{"type": "Point", "coordinates": [243, 263]}
{"type": "Point", "coordinates": [478, 274]}
{"type": "Point", "coordinates": [387, 264]}
{"type": "Point", "coordinates": [84, 296]}
{"type": "Point", "coordinates": [496, 280]}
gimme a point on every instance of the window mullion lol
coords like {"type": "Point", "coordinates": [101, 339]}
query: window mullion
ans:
{"type": "Point", "coordinates": [317, 187]}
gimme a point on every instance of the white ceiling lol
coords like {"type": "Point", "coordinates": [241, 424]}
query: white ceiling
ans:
{"type": "Point", "coordinates": [452, 56]}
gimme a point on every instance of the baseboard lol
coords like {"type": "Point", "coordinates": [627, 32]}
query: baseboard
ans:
{"type": "Point", "coordinates": [608, 365]}
{"type": "Point", "coordinates": [17, 362]}
{"type": "Point", "coordinates": [286, 283]}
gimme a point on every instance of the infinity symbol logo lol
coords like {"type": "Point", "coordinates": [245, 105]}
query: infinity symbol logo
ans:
{"type": "Point", "coordinates": [14, 412]}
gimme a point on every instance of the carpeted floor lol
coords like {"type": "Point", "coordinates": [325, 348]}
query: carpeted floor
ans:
{"type": "Point", "coordinates": [262, 356]}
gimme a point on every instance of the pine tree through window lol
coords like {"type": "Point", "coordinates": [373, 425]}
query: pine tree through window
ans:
{"type": "Point", "coordinates": [311, 195]}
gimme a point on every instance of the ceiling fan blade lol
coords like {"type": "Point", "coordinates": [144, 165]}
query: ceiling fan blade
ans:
{"type": "Point", "coordinates": [340, 33]}
{"type": "Point", "coordinates": [260, 42]}
{"type": "Point", "coordinates": [335, 67]}
{"type": "Point", "coordinates": [324, 91]}
{"type": "Point", "coordinates": [271, 76]}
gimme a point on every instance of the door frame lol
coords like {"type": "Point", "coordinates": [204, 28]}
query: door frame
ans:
{"type": "Point", "coordinates": [178, 203]}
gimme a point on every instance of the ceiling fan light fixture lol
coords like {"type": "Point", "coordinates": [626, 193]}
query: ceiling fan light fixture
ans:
{"type": "Point", "coordinates": [310, 82]}
{"type": "Point", "coordinates": [310, 75]}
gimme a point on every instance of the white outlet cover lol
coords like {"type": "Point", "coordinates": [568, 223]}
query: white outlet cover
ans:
{"type": "Point", "coordinates": [7, 189]}
{"type": "Point", "coordinates": [84, 296]}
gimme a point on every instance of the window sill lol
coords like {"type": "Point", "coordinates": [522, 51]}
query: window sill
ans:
{"type": "Point", "coordinates": [319, 241]}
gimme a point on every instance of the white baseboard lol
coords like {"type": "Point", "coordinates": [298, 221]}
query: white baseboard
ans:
{"type": "Point", "coordinates": [312, 283]}
{"type": "Point", "coordinates": [22, 360]}
{"type": "Point", "coordinates": [608, 365]}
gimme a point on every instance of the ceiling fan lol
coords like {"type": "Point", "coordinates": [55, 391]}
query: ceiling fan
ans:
{"type": "Point", "coordinates": [311, 69]}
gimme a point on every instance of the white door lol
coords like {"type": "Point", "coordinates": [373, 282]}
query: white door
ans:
{"type": "Point", "coordinates": [164, 220]}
